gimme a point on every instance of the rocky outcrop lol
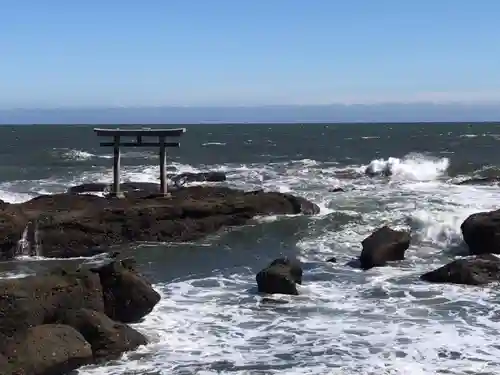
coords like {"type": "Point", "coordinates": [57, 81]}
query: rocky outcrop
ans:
{"type": "Point", "coordinates": [481, 232]}
{"type": "Point", "coordinates": [53, 323]}
{"type": "Point", "coordinates": [480, 181]}
{"type": "Point", "coordinates": [476, 270]}
{"type": "Point", "coordinates": [382, 246]}
{"type": "Point", "coordinates": [280, 277]}
{"type": "Point", "coordinates": [74, 225]}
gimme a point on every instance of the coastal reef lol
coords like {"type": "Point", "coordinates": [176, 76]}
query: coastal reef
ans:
{"type": "Point", "coordinates": [74, 225]}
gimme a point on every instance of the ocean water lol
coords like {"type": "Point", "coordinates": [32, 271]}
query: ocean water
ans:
{"type": "Point", "coordinates": [345, 321]}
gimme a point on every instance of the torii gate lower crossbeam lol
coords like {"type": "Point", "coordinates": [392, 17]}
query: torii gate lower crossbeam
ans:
{"type": "Point", "coordinates": [139, 134]}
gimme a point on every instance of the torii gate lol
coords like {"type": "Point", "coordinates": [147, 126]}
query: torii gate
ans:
{"type": "Point", "coordinates": [117, 134]}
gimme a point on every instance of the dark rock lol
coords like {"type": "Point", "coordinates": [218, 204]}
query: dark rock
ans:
{"type": "Point", "coordinates": [480, 181]}
{"type": "Point", "coordinates": [477, 270]}
{"type": "Point", "coordinates": [332, 260]}
{"type": "Point", "coordinates": [481, 232]}
{"type": "Point", "coordinates": [36, 300]}
{"type": "Point", "coordinates": [108, 338]}
{"type": "Point", "coordinates": [382, 246]}
{"type": "Point", "coordinates": [54, 322]}
{"type": "Point", "coordinates": [49, 349]}
{"type": "Point", "coordinates": [184, 178]}
{"type": "Point", "coordinates": [128, 297]}
{"type": "Point", "coordinates": [281, 276]}
{"type": "Point", "coordinates": [74, 225]}
{"type": "Point", "coordinates": [336, 190]}
{"type": "Point", "coordinates": [293, 264]}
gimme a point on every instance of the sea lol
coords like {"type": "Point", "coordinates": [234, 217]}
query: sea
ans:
{"type": "Point", "coordinates": [211, 320]}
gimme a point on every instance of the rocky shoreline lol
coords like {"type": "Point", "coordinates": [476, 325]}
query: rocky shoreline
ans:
{"type": "Point", "coordinates": [480, 231]}
{"type": "Point", "coordinates": [76, 225]}
{"type": "Point", "coordinates": [53, 323]}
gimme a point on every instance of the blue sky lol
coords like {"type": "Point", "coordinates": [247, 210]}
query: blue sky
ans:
{"type": "Point", "coordinates": [60, 53]}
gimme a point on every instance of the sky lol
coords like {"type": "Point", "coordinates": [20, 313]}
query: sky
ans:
{"type": "Point", "coordinates": [119, 53]}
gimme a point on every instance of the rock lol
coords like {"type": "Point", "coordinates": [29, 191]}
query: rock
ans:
{"type": "Point", "coordinates": [382, 246]}
{"type": "Point", "coordinates": [49, 349]}
{"type": "Point", "coordinates": [128, 297]}
{"type": "Point", "coordinates": [108, 338]}
{"type": "Point", "coordinates": [280, 276]}
{"type": "Point", "coordinates": [35, 300]}
{"type": "Point", "coordinates": [476, 270]}
{"type": "Point", "coordinates": [184, 178]}
{"type": "Point", "coordinates": [336, 190]}
{"type": "Point", "coordinates": [75, 225]}
{"type": "Point", "coordinates": [65, 317]}
{"type": "Point", "coordinates": [480, 181]}
{"type": "Point", "coordinates": [481, 232]}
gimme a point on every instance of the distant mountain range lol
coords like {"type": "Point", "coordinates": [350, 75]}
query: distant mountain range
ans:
{"type": "Point", "coordinates": [412, 112]}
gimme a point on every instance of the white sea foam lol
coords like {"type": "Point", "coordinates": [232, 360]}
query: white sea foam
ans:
{"type": "Point", "coordinates": [412, 167]}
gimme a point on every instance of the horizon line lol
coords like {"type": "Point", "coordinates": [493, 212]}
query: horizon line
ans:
{"type": "Point", "coordinates": [258, 106]}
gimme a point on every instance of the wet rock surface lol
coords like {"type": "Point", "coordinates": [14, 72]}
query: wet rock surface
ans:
{"type": "Point", "coordinates": [74, 225]}
{"type": "Point", "coordinates": [281, 276]}
{"type": "Point", "coordinates": [53, 323]}
{"type": "Point", "coordinates": [476, 270]}
{"type": "Point", "coordinates": [481, 232]}
{"type": "Point", "coordinates": [382, 246]}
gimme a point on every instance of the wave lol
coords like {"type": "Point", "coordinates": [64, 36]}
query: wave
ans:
{"type": "Point", "coordinates": [77, 155]}
{"type": "Point", "coordinates": [414, 166]}
{"type": "Point", "coordinates": [213, 144]}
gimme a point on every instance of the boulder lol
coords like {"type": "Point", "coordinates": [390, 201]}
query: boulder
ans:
{"type": "Point", "coordinates": [76, 225]}
{"type": "Point", "coordinates": [280, 276]}
{"type": "Point", "coordinates": [476, 270]}
{"type": "Point", "coordinates": [382, 246]}
{"type": "Point", "coordinates": [128, 297]}
{"type": "Point", "coordinates": [54, 322]}
{"type": "Point", "coordinates": [107, 338]}
{"type": "Point", "coordinates": [35, 300]}
{"type": "Point", "coordinates": [481, 232]}
{"type": "Point", "coordinates": [49, 349]}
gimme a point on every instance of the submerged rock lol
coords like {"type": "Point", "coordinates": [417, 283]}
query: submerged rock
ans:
{"type": "Point", "coordinates": [53, 323]}
{"type": "Point", "coordinates": [336, 190]}
{"type": "Point", "coordinates": [477, 270]}
{"type": "Point", "coordinates": [73, 225]}
{"type": "Point", "coordinates": [481, 232]}
{"type": "Point", "coordinates": [480, 181]}
{"type": "Point", "coordinates": [281, 276]}
{"type": "Point", "coordinates": [382, 246]}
